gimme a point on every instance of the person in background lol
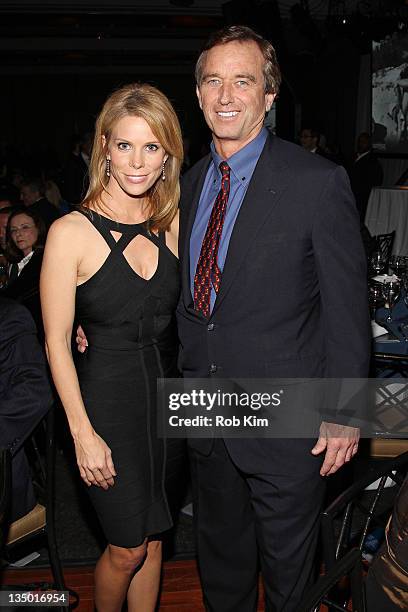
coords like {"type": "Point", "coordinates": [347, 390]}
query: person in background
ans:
{"type": "Point", "coordinates": [25, 239]}
{"type": "Point", "coordinates": [4, 263]}
{"type": "Point", "coordinates": [309, 139]}
{"type": "Point", "coordinates": [53, 195]}
{"type": "Point", "coordinates": [25, 396]}
{"type": "Point", "coordinates": [32, 196]}
{"type": "Point", "coordinates": [75, 179]}
{"type": "Point", "coordinates": [365, 173]}
{"type": "Point", "coordinates": [386, 586]}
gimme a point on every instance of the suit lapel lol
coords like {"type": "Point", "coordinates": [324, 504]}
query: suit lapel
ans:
{"type": "Point", "coordinates": [268, 183]}
{"type": "Point", "coordinates": [190, 201]}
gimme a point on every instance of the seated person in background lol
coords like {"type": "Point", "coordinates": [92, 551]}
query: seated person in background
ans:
{"type": "Point", "coordinates": [387, 580]}
{"type": "Point", "coordinates": [25, 396]}
{"type": "Point", "coordinates": [32, 196]}
{"type": "Point", "coordinates": [53, 195]}
{"type": "Point", "coordinates": [4, 215]}
{"type": "Point", "coordinates": [25, 238]}
{"type": "Point", "coordinates": [365, 173]}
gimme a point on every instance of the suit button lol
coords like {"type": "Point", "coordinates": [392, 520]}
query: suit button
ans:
{"type": "Point", "coordinates": [210, 326]}
{"type": "Point", "coordinates": [213, 368]}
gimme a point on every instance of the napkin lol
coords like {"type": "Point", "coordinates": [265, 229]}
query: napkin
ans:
{"type": "Point", "coordinates": [386, 278]}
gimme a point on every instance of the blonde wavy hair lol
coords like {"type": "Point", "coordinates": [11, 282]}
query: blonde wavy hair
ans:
{"type": "Point", "coordinates": [147, 102]}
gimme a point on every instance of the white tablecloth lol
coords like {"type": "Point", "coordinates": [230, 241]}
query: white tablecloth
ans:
{"type": "Point", "coordinates": [388, 210]}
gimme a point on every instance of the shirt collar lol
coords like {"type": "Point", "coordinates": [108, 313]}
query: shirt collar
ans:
{"type": "Point", "coordinates": [360, 155]}
{"type": "Point", "coordinates": [23, 262]}
{"type": "Point", "coordinates": [243, 162]}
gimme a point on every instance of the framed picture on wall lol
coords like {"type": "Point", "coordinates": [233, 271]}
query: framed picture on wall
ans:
{"type": "Point", "coordinates": [390, 94]}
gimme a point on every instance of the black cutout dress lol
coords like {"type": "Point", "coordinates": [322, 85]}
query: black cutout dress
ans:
{"type": "Point", "coordinates": [131, 330]}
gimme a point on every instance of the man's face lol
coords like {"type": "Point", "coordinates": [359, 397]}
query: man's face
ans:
{"type": "Point", "coordinates": [232, 94]}
{"type": "Point", "coordinates": [363, 144]}
{"type": "Point", "coordinates": [308, 141]}
{"type": "Point", "coordinates": [27, 196]}
{"type": "Point", "coordinates": [3, 224]}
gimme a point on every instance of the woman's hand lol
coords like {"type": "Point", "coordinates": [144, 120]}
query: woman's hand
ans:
{"type": "Point", "coordinates": [94, 459]}
{"type": "Point", "coordinates": [81, 340]}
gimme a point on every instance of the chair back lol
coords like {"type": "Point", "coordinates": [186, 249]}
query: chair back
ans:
{"type": "Point", "coordinates": [351, 566]}
{"type": "Point", "coordinates": [384, 244]}
{"type": "Point", "coordinates": [348, 519]}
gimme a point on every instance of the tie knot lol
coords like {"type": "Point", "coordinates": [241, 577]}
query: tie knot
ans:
{"type": "Point", "coordinates": [225, 169]}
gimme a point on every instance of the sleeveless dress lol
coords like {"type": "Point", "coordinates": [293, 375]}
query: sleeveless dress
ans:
{"type": "Point", "coordinates": [131, 331]}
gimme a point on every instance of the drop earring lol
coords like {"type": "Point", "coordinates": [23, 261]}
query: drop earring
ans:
{"type": "Point", "coordinates": [107, 168]}
{"type": "Point", "coordinates": [163, 173]}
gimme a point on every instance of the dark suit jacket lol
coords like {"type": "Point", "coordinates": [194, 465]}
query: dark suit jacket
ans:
{"type": "Point", "coordinates": [26, 289]}
{"type": "Point", "coordinates": [25, 393]}
{"type": "Point", "coordinates": [365, 174]}
{"type": "Point", "coordinates": [75, 180]}
{"type": "Point", "coordinates": [293, 295]}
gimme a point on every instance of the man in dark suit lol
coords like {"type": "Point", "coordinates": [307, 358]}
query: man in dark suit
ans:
{"type": "Point", "coordinates": [274, 285]}
{"type": "Point", "coordinates": [32, 195]}
{"type": "Point", "coordinates": [365, 173]}
{"type": "Point", "coordinates": [25, 396]}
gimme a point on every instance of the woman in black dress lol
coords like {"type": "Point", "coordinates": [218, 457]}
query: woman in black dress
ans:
{"type": "Point", "coordinates": [113, 267]}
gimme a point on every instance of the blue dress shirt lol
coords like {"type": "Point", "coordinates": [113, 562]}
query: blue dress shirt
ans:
{"type": "Point", "coordinates": [242, 165]}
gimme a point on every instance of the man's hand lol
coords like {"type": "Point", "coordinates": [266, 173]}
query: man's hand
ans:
{"type": "Point", "coordinates": [81, 340]}
{"type": "Point", "coordinates": [340, 443]}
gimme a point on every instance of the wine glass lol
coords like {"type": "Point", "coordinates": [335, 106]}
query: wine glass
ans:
{"type": "Point", "coordinates": [375, 297]}
{"type": "Point", "coordinates": [391, 291]}
{"type": "Point", "coordinates": [377, 262]}
{"type": "Point", "coordinates": [398, 264]}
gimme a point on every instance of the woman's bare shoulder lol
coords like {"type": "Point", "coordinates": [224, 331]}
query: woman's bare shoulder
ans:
{"type": "Point", "coordinates": [73, 222]}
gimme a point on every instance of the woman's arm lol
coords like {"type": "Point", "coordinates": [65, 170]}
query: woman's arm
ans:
{"type": "Point", "coordinates": [58, 285]}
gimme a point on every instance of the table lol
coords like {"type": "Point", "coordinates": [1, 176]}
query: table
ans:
{"type": "Point", "coordinates": [387, 211]}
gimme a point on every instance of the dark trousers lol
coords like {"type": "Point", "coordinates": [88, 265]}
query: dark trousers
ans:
{"type": "Point", "coordinates": [245, 516]}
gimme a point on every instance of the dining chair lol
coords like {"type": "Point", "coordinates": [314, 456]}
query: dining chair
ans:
{"type": "Point", "coordinates": [350, 566]}
{"type": "Point", "coordinates": [39, 524]}
{"type": "Point", "coordinates": [384, 244]}
{"type": "Point", "coordinates": [350, 517]}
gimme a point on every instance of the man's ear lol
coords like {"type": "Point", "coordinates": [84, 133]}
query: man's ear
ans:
{"type": "Point", "coordinates": [199, 96]}
{"type": "Point", "coordinates": [269, 99]}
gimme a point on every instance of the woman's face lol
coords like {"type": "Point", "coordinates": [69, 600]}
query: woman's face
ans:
{"type": "Point", "coordinates": [136, 156]}
{"type": "Point", "coordinates": [24, 233]}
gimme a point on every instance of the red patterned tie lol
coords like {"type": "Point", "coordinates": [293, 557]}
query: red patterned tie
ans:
{"type": "Point", "coordinates": [207, 271]}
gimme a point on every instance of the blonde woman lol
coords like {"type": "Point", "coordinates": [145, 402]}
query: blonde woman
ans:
{"type": "Point", "coordinates": [113, 267]}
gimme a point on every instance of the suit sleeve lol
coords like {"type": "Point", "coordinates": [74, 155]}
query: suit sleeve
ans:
{"type": "Point", "coordinates": [25, 391]}
{"type": "Point", "coordinates": [342, 274]}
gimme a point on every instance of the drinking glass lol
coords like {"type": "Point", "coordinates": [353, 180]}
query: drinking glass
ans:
{"type": "Point", "coordinates": [391, 291]}
{"type": "Point", "coordinates": [377, 262]}
{"type": "Point", "coordinates": [375, 297]}
{"type": "Point", "coordinates": [398, 264]}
